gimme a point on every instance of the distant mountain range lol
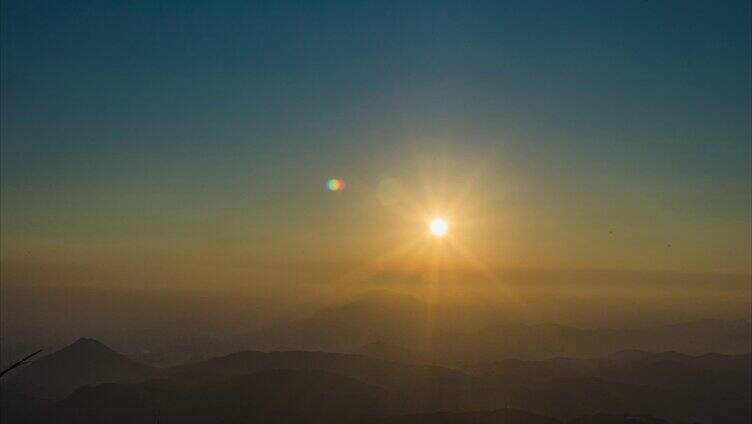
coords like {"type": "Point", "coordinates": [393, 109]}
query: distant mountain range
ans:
{"type": "Point", "coordinates": [92, 383]}
{"type": "Point", "coordinates": [405, 328]}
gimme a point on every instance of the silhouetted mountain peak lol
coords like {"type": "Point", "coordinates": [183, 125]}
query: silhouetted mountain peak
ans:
{"type": "Point", "coordinates": [84, 362]}
{"type": "Point", "coordinates": [85, 344]}
{"type": "Point", "coordinates": [87, 341]}
{"type": "Point", "coordinates": [84, 352]}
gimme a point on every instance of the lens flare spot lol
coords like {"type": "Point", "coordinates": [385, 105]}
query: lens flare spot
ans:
{"type": "Point", "coordinates": [335, 184]}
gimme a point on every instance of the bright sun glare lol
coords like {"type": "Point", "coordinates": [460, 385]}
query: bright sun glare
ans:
{"type": "Point", "coordinates": [438, 227]}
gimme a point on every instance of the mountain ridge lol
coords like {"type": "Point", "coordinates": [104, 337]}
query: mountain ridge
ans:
{"type": "Point", "coordinates": [84, 362]}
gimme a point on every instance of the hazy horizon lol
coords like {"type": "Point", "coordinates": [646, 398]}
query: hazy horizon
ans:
{"type": "Point", "coordinates": [483, 208]}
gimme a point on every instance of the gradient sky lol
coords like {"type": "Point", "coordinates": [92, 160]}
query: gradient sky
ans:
{"type": "Point", "coordinates": [592, 134]}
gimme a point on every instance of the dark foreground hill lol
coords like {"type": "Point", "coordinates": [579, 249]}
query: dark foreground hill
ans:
{"type": "Point", "coordinates": [419, 387]}
{"type": "Point", "coordinates": [514, 416]}
{"type": "Point", "coordinates": [267, 396]}
{"type": "Point", "coordinates": [253, 386]}
{"type": "Point", "coordinates": [504, 416]}
{"type": "Point", "coordinates": [18, 408]}
{"type": "Point", "coordinates": [704, 388]}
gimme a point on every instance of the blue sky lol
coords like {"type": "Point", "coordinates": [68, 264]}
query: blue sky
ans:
{"type": "Point", "coordinates": [128, 121]}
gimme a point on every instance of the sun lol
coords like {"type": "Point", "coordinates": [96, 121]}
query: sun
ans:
{"type": "Point", "coordinates": [438, 227]}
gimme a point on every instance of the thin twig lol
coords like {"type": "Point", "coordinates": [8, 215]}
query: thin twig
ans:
{"type": "Point", "coordinates": [19, 363]}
